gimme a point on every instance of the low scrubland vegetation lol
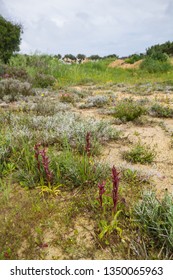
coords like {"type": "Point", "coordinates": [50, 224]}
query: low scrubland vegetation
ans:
{"type": "Point", "coordinates": [59, 198]}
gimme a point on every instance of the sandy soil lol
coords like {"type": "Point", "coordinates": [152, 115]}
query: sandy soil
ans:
{"type": "Point", "coordinates": [156, 133]}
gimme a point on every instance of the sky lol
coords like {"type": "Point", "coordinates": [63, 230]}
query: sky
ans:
{"type": "Point", "coordinates": [102, 27]}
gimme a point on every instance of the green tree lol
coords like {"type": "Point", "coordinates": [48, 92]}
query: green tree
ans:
{"type": "Point", "coordinates": [10, 38]}
{"type": "Point", "coordinates": [81, 56]}
{"type": "Point", "coordinates": [70, 56]}
{"type": "Point", "coordinates": [94, 57]}
{"type": "Point", "coordinates": [166, 47]}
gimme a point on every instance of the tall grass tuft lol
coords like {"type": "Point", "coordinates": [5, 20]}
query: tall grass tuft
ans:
{"type": "Point", "coordinates": [155, 217]}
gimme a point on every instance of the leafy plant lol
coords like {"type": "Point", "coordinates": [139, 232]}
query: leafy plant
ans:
{"type": "Point", "coordinates": [12, 90]}
{"type": "Point", "coordinates": [43, 80]}
{"type": "Point", "coordinates": [128, 110]}
{"type": "Point", "coordinates": [67, 97]}
{"type": "Point", "coordinates": [108, 228]}
{"type": "Point", "coordinates": [140, 153]}
{"type": "Point", "coordinates": [18, 73]}
{"type": "Point", "coordinates": [97, 101]}
{"type": "Point", "coordinates": [133, 58]}
{"type": "Point", "coordinates": [73, 170]}
{"type": "Point", "coordinates": [5, 151]}
{"type": "Point", "coordinates": [166, 47]}
{"type": "Point", "coordinates": [49, 190]}
{"type": "Point", "coordinates": [158, 55]}
{"type": "Point", "coordinates": [155, 217]}
{"type": "Point", "coordinates": [152, 65]}
{"type": "Point", "coordinates": [161, 111]}
{"type": "Point", "coordinates": [133, 177]}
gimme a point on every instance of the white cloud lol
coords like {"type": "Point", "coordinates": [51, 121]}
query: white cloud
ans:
{"type": "Point", "coordinates": [91, 26]}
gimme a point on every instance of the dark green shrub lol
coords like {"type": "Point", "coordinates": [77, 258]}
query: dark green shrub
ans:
{"type": "Point", "coordinates": [166, 47]}
{"type": "Point", "coordinates": [114, 56]}
{"type": "Point", "coordinates": [81, 56]}
{"type": "Point", "coordinates": [70, 56]}
{"type": "Point", "coordinates": [58, 56]}
{"type": "Point", "coordinates": [94, 57]}
{"type": "Point", "coordinates": [128, 110]}
{"type": "Point", "coordinates": [2, 70]}
{"type": "Point", "coordinates": [159, 56]}
{"type": "Point", "coordinates": [10, 37]}
{"type": "Point", "coordinates": [133, 58]}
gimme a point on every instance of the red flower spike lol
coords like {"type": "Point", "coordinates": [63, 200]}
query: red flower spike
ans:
{"type": "Point", "coordinates": [45, 161]}
{"type": "Point", "coordinates": [115, 181]}
{"type": "Point", "coordinates": [88, 144]}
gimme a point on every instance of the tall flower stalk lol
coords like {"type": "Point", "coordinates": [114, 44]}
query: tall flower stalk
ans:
{"type": "Point", "coordinates": [115, 181]}
{"type": "Point", "coordinates": [45, 162]}
{"type": "Point", "coordinates": [88, 144]}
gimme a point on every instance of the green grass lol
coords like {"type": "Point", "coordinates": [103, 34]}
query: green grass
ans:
{"type": "Point", "coordinates": [155, 217]}
{"type": "Point", "coordinates": [87, 73]}
{"type": "Point", "coordinates": [152, 65]}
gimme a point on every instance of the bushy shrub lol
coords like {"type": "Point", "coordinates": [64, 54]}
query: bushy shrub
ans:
{"type": "Point", "coordinates": [2, 70]}
{"type": "Point", "coordinates": [153, 65]}
{"type": "Point", "coordinates": [128, 110]}
{"type": "Point", "coordinates": [156, 219]}
{"type": "Point", "coordinates": [160, 111]}
{"type": "Point", "coordinates": [158, 55]}
{"type": "Point", "coordinates": [114, 56]}
{"type": "Point", "coordinates": [14, 73]}
{"type": "Point", "coordinates": [133, 58]}
{"type": "Point", "coordinates": [44, 108]}
{"type": "Point", "coordinates": [166, 47]}
{"type": "Point", "coordinates": [62, 125]}
{"type": "Point", "coordinates": [67, 97]}
{"type": "Point", "coordinates": [97, 101]}
{"type": "Point", "coordinates": [140, 153]}
{"type": "Point", "coordinates": [43, 80]}
{"type": "Point", "coordinates": [12, 90]}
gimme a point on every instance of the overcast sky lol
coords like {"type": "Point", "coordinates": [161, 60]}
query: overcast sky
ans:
{"type": "Point", "coordinates": [90, 27]}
